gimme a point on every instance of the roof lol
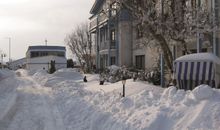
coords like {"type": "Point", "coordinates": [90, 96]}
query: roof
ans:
{"type": "Point", "coordinates": [46, 47]}
{"type": "Point", "coordinates": [199, 57]}
{"type": "Point", "coordinates": [96, 6]}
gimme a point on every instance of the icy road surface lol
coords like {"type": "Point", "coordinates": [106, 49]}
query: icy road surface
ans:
{"type": "Point", "coordinates": [25, 105]}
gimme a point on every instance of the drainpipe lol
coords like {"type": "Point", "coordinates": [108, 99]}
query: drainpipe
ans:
{"type": "Point", "coordinates": [199, 41]}
{"type": "Point", "coordinates": [162, 82]}
{"type": "Point", "coordinates": [214, 31]}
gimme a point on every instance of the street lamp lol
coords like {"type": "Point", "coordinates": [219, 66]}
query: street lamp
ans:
{"type": "Point", "coordinates": [2, 56]}
{"type": "Point", "coordinates": [123, 82]}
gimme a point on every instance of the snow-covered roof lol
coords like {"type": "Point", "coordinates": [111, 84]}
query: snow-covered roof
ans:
{"type": "Point", "coordinates": [96, 6]}
{"type": "Point", "coordinates": [199, 57]}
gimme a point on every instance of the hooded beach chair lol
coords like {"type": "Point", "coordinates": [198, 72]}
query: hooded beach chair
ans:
{"type": "Point", "coordinates": [196, 69]}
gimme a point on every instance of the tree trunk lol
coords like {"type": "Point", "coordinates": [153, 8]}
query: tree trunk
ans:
{"type": "Point", "coordinates": [165, 48]}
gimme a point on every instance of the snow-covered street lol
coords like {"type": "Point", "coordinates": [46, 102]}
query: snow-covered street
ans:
{"type": "Point", "coordinates": [62, 101]}
{"type": "Point", "coordinates": [29, 107]}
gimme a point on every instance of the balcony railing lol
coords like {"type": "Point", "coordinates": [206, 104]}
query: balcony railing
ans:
{"type": "Point", "coordinates": [101, 18]}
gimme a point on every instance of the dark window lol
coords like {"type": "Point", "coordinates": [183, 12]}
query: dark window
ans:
{"type": "Point", "coordinates": [113, 45]}
{"type": "Point", "coordinates": [112, 60]}
{"type": "Point", "coordinates": [193, 3]}
{"type": "Point", "coordinates": [47, 53]}
{"type": "Point", "coordinates": [34, 54]}
{"type": "Point", "coordinates": [140, 62]}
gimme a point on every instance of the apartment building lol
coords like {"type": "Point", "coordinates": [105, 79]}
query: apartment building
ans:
{"type": "Point", "coordinates": [118, 41]}
{"type": "Point", "coordinates": [111, 33]}
{"type": "Point", "coordinates": [114, 34]}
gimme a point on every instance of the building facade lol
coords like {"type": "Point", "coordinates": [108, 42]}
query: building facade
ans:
{"type": "Point", "coordinates": [118, 41]}
{"type": "Point", "coordinates": [39, 57]}
{"type": "Point", "coordinates": [112, 34]}
{"type": "Point", "coordinates": [204, 42]}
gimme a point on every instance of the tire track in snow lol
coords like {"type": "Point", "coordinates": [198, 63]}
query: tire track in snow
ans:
{"type": "Point", "coordinates": [33, 109]}
{"type": "Point", "coordinates": [9, 112]}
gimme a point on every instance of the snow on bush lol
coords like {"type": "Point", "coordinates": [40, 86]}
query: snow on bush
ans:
{"type": "Point", "coordinates": [202, 92]}
{"type": "Point", "coordinates": [113, 69]}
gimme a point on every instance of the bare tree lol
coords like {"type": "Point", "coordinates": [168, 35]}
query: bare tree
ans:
{"type": "Point", "coordinates": [80, 45]}
{"type": "Point", "coordinates": [168, 21]}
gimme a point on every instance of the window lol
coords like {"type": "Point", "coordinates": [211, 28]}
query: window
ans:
{"type": "Point", "coordinates": [139, 31]}
{"type": "Point", "coordinates": [193, 3]}
{"type": "Point", "coordinates": [112, 61]}
{"type": "Point", "coordinates": [34, 54]}
{"type": "Point", "coordinates": [113, 7]}
{"type": "Point", "coordinates": [140, 61]}
{"type": "Point", "coordinates": [47, 53]}
{"type": "Point", "coordinates": [112, 35]}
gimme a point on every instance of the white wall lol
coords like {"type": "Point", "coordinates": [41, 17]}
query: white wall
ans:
{"type": "Point", "coordinates": [42, 62]}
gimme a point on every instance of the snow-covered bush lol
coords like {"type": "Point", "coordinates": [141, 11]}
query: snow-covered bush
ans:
{"type": "Point", "coordinates": [114, 74]}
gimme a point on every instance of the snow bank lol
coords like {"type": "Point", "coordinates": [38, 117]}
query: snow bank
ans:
{"type": "Point", "coordinates": [4, 73]}
{"type": "Point", "coordinates": [148, 108]}
{"type": "Point", "coordinates": [202, 92]}
{"type": "Point", "coordinates": [67, 74]}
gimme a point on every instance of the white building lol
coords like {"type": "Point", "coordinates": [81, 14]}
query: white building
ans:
{"type": "Point", "coordinates": [39, 57]}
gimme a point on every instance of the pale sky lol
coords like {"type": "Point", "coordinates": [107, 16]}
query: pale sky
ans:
{"type": "Point", "coordinates": [30, 22]}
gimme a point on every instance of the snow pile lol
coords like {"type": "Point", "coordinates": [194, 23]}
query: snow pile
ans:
{"type": "Point", "coordinates": [202, 92]}
{"type": "Point", "coordinates": [64, 103]}
{"type": "Point", "coordinates": [4, 73]}
{"type": "Point", "coordinates": [148, 108]}
{"type": "Point", "coordinates": [41, 75]}
{"type": "Point", "coordinates": [68, 74]}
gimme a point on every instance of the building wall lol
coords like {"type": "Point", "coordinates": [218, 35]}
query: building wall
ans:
{"type": "Point", "coordinates": [125, 43]}
{"type": "Point", "coordinates": [34, 64]}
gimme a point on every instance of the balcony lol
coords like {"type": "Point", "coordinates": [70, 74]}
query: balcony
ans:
{"type": "Point", "coordinates": [93, 23]}
{"type": "Point", "coordinates": [99, 18]}
{"type": "Point", "coordinates": [102, 18]}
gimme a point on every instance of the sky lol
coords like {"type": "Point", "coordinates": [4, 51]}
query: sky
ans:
{"type": "Point", "coordinates": [30, 22]}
